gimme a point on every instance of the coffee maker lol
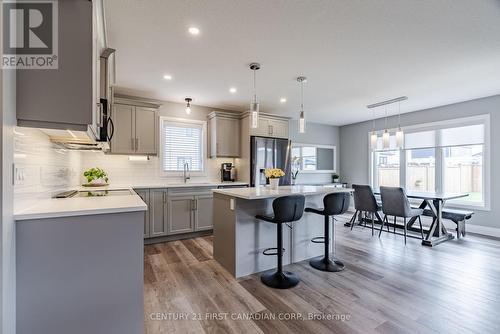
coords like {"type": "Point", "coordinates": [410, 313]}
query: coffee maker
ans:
{"type": "Point", "coordinates": [227, 172]}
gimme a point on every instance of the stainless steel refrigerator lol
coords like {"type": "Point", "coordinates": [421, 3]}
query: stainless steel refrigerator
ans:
{"type": "Point", "coordinates": [269, 153]}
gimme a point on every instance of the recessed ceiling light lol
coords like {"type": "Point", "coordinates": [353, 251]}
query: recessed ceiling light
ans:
{"type": "Point", "coordinates": [194, 30]}
{"type": "Point", "coordinates": [283, 100]}
{"type": "Point", "coordinates": [167, 77]}
{"type": "Point", "coordinates": [232, 90]}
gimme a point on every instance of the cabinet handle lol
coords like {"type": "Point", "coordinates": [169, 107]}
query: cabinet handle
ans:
{"type": "Point", "coordinates": [132, 143]}
{"type": "Point", "coordinates": [217, 148]}
{"type": "Point", "coordinates": [164, 194]}
{"type": "Point", "coordinates": [195, 204]}
{"type": "Point", "coordinates": [137, 144]}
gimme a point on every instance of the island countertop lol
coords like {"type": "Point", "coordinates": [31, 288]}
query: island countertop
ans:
{"type": "Point", "coordinates": [266, 192]}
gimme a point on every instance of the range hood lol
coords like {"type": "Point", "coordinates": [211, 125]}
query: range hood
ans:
{"type": "Point", "coordinates": [75, 140]}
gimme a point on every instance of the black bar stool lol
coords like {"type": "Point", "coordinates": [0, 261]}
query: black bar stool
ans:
{"type": "Point", "coordinates": [286, 209]}
{"type": "Point", "coordinates": [333, 204]}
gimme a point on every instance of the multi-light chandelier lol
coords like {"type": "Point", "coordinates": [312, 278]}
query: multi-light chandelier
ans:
{"type": "Point", "coordinates": [386, 136]}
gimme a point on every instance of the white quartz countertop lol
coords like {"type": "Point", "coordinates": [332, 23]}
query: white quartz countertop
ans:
{"type": "Point", "coordinates": [267, 192]}
{"type": "Point", "coordinates": [168, 185]}
{"type": "Point", "coordinates": [81, 206]}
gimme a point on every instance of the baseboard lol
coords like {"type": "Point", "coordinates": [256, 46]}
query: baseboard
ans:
{"type": "Point", "coordinates": [483, 230]}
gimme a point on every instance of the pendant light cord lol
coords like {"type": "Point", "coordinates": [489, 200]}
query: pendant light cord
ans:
{"type": "Point", "coordinates": [399, 114]}
{"type": "Point", "coordinates": [302, 96]}
{"type": "Point", "coordinates": [386, 118]}
{"type": "Point", "coordinates": [254, 86]}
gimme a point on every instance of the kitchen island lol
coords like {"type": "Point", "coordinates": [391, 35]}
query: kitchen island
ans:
{"type": "Point", "coordinates": [239, 238]}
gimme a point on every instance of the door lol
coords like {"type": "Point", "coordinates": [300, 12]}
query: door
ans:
{"type": "Point", "coordinates": [123, 139]}
{"type": "Point", "coordinates": [145, 130]}
{"type": "Point", "coordinates": [263, 156]}
{"type": "Point", "coordinates": [158, 213]}
{"type": "Point", "coordinates": [181, 214]}
{"type": "Point", "coordinates": [144, 195]}
{"type": "Point", "coordinates": [282, 159]}
{"type": "Point", "coordinates": [203, 212]}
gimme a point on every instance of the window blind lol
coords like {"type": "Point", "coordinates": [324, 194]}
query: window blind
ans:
{"type": "Point", "coordinates": [182, 143]}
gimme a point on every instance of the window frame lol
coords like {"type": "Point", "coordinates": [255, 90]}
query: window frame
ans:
{"type": "Point", "coordinates": [439, 174]}
{"type": "Point", "coordinates": [203, 124]}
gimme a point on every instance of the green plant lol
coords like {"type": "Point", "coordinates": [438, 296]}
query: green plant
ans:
{"type": "Point", "coordinates": [95, 173]}
{"type": "Point", "coordinates": [335, 178]}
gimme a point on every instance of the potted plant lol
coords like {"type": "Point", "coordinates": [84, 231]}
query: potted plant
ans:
{"type": "Point", "coordinates": [296, 165]}
{"type": "Point", "coordinates": [95, 177]}
{"type": "Point", "coordinates": [274, 174]}
{"type": "Point", "coordinates": [335, 178]}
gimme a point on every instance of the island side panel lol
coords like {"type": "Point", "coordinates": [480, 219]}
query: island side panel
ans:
{"type": "Point", "coordinates": [308, 227]}
{"type": "Point", "coordinates": [253, 236]}
{"type": "Point", "coordinates": [85, 265]}
{"type": "Point", "coordinates": [224, 236]}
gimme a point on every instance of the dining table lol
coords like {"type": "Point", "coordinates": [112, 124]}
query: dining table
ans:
{"type": "Point", "coordinates": [435, 202]}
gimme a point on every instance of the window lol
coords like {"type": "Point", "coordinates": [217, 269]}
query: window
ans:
{"type": "Point", "coordinates": [309, 158]}
{"type": "Point", "coordinates": [386, 169]}
{"type": "Point", "coordinates": [182, 142]}
{"type": "Point", "coordinates": [449, 156]}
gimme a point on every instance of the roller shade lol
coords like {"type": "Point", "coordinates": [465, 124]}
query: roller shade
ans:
{"type": "Point", "coordinates": [452, 136]}
{"type": "Point", "coordinates": [182, 143]}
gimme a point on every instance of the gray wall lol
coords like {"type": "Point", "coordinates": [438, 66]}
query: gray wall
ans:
{"type": "Point", "coordinates": [319, 134]}
{"type": "Point", "coordinates": [354, 146]}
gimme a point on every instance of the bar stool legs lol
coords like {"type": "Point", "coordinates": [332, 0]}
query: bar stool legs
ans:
{"type": "Point", "coordinates": [325, 263]}
{"type": "Point", "coordinates": [280, 279]}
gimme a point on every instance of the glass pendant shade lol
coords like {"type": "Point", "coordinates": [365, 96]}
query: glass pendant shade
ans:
{"type": "Point", "coordinates": [373, 141]}
{"type": "Point", "coordinates": [302, 123]}
{"type": "Point", "coordinates": [188, 110]}
{"type": "Point", "coordinates": [400, 138]}
{"type": "Point", "coordinates": [254, 115]}
{"type": "Point", "coordinates": [386, 140]}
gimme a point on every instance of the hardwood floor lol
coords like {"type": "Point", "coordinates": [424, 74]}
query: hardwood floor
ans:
{"type": "Point", "coordinates": [386, 288]}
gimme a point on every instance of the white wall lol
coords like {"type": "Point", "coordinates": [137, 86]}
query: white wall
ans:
{"type": "Point", "coordinates": [8, 245]}
{"type": "Point", "coordinates": [319, 134]}
{"type": "Point", "coordinates": [354, 147]}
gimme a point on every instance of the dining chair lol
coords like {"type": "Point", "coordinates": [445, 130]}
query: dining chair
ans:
{"type": "Point", "coordinates": [395, 203]}
{"type": "Point", "coordinates": [365, 203]}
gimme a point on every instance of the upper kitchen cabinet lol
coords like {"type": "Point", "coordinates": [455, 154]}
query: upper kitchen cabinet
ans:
{"type": "Point", "coordinates": [67, 98]}
{"type": "Point", "coordinates": [224, 135]}
{"type": "Point", "coordinates": [268, 126]}
{"type": "Point", "coordinates": [135, 127]}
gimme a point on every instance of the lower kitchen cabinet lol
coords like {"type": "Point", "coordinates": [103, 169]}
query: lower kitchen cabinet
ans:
{"type": "Point", "coordinates": [176, 211]}
{"type": "Point", "coordinates": [181, 216]}
{"type": "Point", "coordinates": [203, 213]}
{"type": "Point", "coordinates": [144, 195]}
{"type": "Point", "coordinates": [158, 212]}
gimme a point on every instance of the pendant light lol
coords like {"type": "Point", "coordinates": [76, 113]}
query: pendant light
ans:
{"type": "Point", "coordinates": [302, 120]}
{"type": "Point", "coordinates": [386, 137]}
{"type": "Point", "coordinates": [254, 105]}
{"type": "Point", "coordinates": [188, 105]}
{"type": "Point", "coordinates": [399, 134]}
{"type": "Point", "coordinates": [373, 136]}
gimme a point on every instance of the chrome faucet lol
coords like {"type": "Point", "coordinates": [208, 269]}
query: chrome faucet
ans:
{"type": "Point", "coordinates": [186, 172]}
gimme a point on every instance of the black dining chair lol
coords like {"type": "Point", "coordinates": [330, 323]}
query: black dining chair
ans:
{"type": "Point", "coordinates": [333, 204]}
{"type": "Point", "coordinates": [286, 209]}
{"type": "Point", "coordinates": [395, 203]}
{"type": "Point", "coordinates": [365, 203]}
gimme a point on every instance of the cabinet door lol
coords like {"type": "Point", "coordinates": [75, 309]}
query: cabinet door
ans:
{"type": "Point", "coordinates": [123, 119]}
{"type": "Point", "coordinates": [228, 137]}
{"type": "Point", "coordinates": [145, 130]}
{"type": "Point", "coordinates": [144, 195]}
{"type": "Point", "coordinates": [203, 212]}
{"type": "Point", "coordinates": [279, 128]}
{"type": "Point", "coordinates": [180, 214]}
{"type": "Point", "coordinates": [158, 212]}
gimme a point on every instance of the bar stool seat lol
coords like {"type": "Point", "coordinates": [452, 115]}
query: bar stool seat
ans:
{"type": "Point", "coordinates": [334, 204]}
{"type": "Point", "coordinates": [287, 209]}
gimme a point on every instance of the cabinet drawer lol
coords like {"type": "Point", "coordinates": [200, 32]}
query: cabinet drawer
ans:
{"type": "Point", "coordinates": [190, 191]}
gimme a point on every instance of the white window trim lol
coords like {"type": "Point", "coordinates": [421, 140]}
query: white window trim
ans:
{"type": "Point", "coordinates": [203, 146]}
{"type": "Point", "coordinates": [464, 121]}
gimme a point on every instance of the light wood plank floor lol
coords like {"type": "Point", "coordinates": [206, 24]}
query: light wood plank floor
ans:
{"type": "Point", "coordinates": [386, 288]}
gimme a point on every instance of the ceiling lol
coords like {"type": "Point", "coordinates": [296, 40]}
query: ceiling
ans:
{"type": "Point", "coordinates": [353, 53]}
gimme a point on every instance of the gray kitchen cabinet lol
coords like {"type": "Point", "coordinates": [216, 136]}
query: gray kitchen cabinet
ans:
{"type": "Point", "coordinates": [145, 130]}
{"type": "Point", "coordinates": [158, 212]}
{"type": "Point", "coordinates": [203, 212]}
{"type": "Point", "coordinates": [224, 132]}
{"type": "Point", "coordinates": [66, 97]}
{"type": "Point", "coordinates": [144, 195]}
{"type": "Point", "coordinates": [135, 129]}
{"type": "Point", "coordinates": [181, 215]}
{"type": "Point", "coordinates": [268, 126]}
{"type": "Point", "coordinates": [123, 118]}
